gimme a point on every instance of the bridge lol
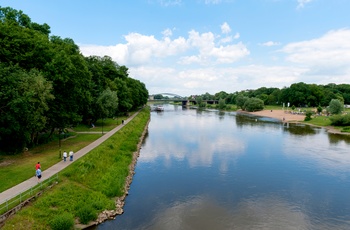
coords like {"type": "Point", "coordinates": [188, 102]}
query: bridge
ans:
{"type": "Point", "coordinates": [177, 98]}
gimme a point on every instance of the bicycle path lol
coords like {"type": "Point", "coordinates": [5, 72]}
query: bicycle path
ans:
{"type": "Point", "coordinates": [26, 185]}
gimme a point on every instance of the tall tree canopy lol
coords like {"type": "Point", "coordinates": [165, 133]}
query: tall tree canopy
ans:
{"type": "Point", "coordinates": [46, 84]}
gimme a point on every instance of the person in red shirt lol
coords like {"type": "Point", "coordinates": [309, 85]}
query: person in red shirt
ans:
{"type": "Point", "coordinates": [37, 166]}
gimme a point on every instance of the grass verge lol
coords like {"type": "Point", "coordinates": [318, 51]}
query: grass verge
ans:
{"type": "Point", "coordinates": [87, 186]}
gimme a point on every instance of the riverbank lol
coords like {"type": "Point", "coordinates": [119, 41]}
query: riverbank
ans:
{"type": "Point", "coordinates": [291, 118]}
{"type": "Point", "coordinates": [91, 185]}
{"type": "Point", "coordinates": [278, 114]}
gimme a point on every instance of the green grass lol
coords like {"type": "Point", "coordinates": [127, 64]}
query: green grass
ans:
{"type": "Point", "coordinates": [319, 121]}
{"type": "Point", "coordinates": [107, 125]}
{"type": "Point", "coordinates": [15, 169]}
{"type": "Point", "coordinates": [89, 184]}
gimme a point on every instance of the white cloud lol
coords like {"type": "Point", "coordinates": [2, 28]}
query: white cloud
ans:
{"type": "Point", "coordinates": [237, 35]}
{"type": "Point", "coordinates": [270, 43]}
{"type": "Point", "coordinates": [225, 28]}
{"type": "Point", "coordinates": [211, 79]}
{"type": "Point", "coordinates": [301, 3]}
{"type": "Point", "coordinates": [206, 62]}
{"type": "Point", "coordinates": [328, 54]}
{"type": "Point", "coordinates": [167, 33]}
{"type": "Point", "coordinates": [201, 48]}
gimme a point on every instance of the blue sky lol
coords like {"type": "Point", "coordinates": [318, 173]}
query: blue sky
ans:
{"type": "Point", "coordinates": [198, 46]}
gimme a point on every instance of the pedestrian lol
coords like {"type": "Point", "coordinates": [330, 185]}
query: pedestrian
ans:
{"type": "Point", "coordinates": [64, 156]}
{"type": "Point", "coordinates": [71, 155]}
{"type": "Point", "coordinates": [37, 166]}
{"type": "Point", "coordinates": [122, 122]}
{"type": "Point", "coordinates": [38, 174]}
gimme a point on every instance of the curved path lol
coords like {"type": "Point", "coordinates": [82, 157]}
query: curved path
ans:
{"type": "Point", "coordinates": [26, 185]}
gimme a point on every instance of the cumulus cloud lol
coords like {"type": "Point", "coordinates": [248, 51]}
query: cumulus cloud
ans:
{"type": "Point", "coordinates": [200, 48]}
{"type": "Point", "coordinates": [211, 79]}
{"type": "Point", "coordinates": [330, 52]}
{"type": "Point", "coordinates": [208, 50]}
{"type": "Point", "coordinates": [167, 33]}
{"type": "Point", "coordinates": [225, 28]}
{"type": "Point", "coordinates": [206, 62]}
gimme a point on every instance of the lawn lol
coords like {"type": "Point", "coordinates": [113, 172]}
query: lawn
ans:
{"type": "Point", "coordinates": [15, 169]}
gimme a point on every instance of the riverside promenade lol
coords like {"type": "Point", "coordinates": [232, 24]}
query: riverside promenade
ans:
{"type": "Point", "coordinates": [26, 185]}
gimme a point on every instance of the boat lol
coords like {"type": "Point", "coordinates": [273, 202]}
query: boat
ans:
{"type": "Point", "coordinates": [158, 108]}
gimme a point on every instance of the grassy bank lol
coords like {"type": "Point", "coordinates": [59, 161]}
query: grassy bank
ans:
{"type": "Point", "coordinates": [88, 186]}
{"type": "Point", "coordinates": [15, 169]}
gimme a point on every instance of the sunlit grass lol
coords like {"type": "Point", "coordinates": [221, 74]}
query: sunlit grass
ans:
{"type": "Point", "coordinates": [88, 185]}
{"type": "Point", "coordinates": [15, 169]}
{"type": "Point", "coordinates": [319, 121]}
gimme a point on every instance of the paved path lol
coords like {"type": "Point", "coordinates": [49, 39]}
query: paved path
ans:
{"type": "Point", "coordinates": [26, 185]}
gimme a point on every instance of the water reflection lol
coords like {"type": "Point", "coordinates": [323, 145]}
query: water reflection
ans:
{"type": "Point", "coordinates": [176, 135]}
{"type": "Point", "coordinates": [271, 212]}
{"type": "Point", "coordinates": [212, 170]}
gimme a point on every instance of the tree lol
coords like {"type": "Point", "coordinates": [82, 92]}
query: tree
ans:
{"type": "Point", "coordinates": [200, 102]}
{"type": "Point", "coordinates": [107, 103]}
{"type": "Point", "coordinates": [71, 80]}
{"type": "Point", "coordinates": [240, 101]}
{"type": "Point", "coordinates": [24, 100]}
{"type": "Point", "coordinates": [222, 104]}
{"type": "Point", "coordinates": [254, 104]}
{"type": "Point", "coordinates": [335, 106]}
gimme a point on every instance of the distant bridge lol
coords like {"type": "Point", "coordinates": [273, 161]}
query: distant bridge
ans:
{"type": "Point", "coordinates": [166, 94]}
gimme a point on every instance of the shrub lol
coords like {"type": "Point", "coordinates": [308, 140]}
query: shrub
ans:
{"type": "Point", "coordinates": [62, 222]}
{"type": "Point", "coordinates": [86, 213]}
{"type": "Point", "coordinates": [340, 120]}
{"type": "Point", "coordinates": [308, 116]}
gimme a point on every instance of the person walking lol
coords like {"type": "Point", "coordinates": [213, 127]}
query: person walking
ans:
{"type": "Point", "coordinates": [37, 166]}
{"type": "Point", "coordinates": [38, 174]}
{"type": "Point", "coordinates": [64, 156]}
{"type": "Point", "coordinates": [71, 155]}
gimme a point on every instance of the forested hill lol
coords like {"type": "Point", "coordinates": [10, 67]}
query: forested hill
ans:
{"type": "Point", "coordinates": [46, 84]}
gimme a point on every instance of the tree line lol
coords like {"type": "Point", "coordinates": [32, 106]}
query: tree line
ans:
{"type": "Point", "coordinates": [297, 94]}
{"type": "Point", "coordinates": [46, 84]}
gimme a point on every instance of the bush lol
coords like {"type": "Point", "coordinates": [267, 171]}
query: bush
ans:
{"type": "Point", "coordinates": [340, 120]}
{"type": "Point", "coordinates": [62, 222]}
{"type": "Point", "coordinates": [308, 115]}
{"type": "Point", "coordinates": [86, 213]}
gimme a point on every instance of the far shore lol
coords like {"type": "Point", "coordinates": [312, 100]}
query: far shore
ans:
{"type": "Point", "coordinates": [279, 114]}
{"type": "Point", "coordinates": [285, 116]}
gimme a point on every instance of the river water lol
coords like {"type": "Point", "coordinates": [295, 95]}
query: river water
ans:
{"type": "Point", "coordinates": [215, 170]}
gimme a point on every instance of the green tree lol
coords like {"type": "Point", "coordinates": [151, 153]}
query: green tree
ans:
{"type": "Point", "coordinates": [200, 102]}
{"type": "Point", "coordinates": [222, 104]}
{"type": "Point", "coordinates": [71, 80]}
{"type": "Point", "coordinates": [335, 106]}
{"type": "Point", "coordinates": [107, 103]}
{"type": "Point", "coordinates": [254, 104]}
{"type": "Point", "coordinates": [240, 101]}
{"type": "Point", "coordinates": [24, 98]}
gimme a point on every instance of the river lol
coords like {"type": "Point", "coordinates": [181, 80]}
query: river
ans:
{"type": "Point", "coordinates": [223, 170]}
